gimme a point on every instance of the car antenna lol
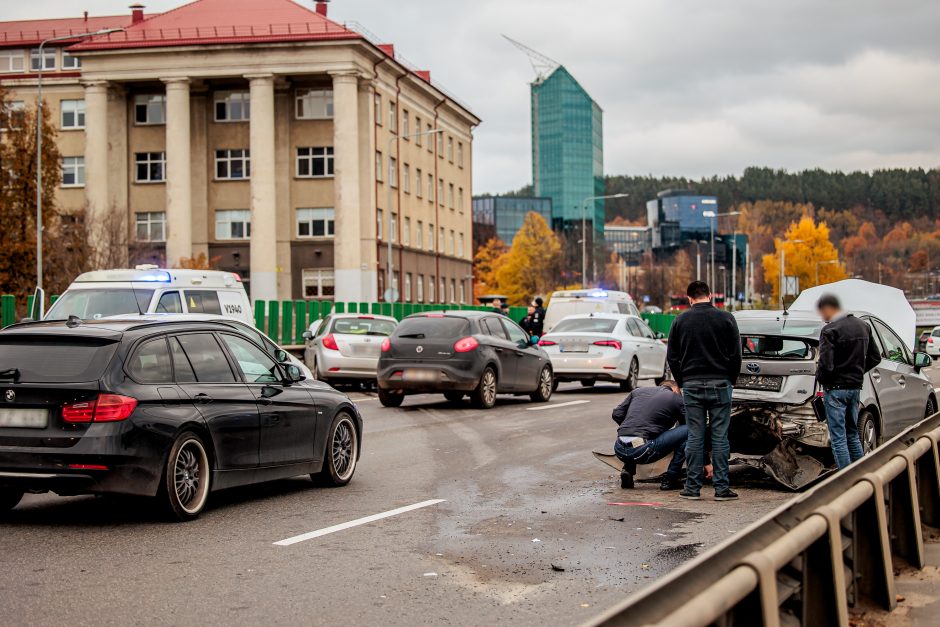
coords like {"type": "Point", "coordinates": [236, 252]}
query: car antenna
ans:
{"type": "Point", "coordinates": [136, 302]}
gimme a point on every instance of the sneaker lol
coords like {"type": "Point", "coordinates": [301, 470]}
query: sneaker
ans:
{"type": "Point", "coordinates": [688, 494]}
{"type": "Point", "coordinates": [726, 495]}
{"type": "Point", "coordinates": [626, 479]}
{"type": "Point", "coordinates": [669, 483]}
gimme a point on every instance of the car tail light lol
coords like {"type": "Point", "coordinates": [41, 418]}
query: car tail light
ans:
{"type": "Point", "coordinates": [367, 317]}
{"type": "Point", "coordinates": [87, 467]}
{"type": "Point", "coordinates": [930, 340]}
{"type": "Point", "coordinates": [329, 342]}
{"type": "Point", "coordinates": [386, 345]}
{"type": "Point", "coordinates": [547, 343]}
{"type": "Point", "coordinates": [465, 345]}
{"type": "Point", "coordinates": [105, 408]}
{"type": "Point", "coordinates": [611, 343]}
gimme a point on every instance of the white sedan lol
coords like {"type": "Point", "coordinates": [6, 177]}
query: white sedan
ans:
{"type": "Point", "coordinates": [605, 347]}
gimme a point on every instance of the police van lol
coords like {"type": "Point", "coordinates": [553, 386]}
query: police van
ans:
{"type": "Point", "coordinates": [564, 303]}
{"type": "Point", "coordinates": [149, 289]}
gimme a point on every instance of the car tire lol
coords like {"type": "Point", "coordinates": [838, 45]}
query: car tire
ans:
{"type": "Point", "coordinates": [867, 431]}
{"type": "Point", "coordinates": [9, 498]}
{"type": "Point", "coordinates": [659, 380]}
{"type": "Point", "coordinates": [391, 399]}
{"type": "Point", "coordinates": [555, 383]}
{"type": "Point", "coordinates": [931, 407]}
{"type": "Point", "coordinates": [545, 385]}
{"type": "Point", "coordinates": [186, 478]}
{"type": "Point", "coordinates": [454, 397]}
{"type": "Point", "coordinates": [588, 383]}
{"type": "Point", "coordinates": [484, 395]}
{"type": "Point", "coordinates": [629, 384]}
{"type": "Point", "coordinates": [341, 455]}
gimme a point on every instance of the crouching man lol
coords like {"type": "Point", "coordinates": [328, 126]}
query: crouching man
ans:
{"type": "Point", "coordinates": [652, 425]}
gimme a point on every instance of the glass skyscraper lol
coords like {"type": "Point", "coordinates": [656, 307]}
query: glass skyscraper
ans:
{"type": "Point", "coordinates": [567, 150]}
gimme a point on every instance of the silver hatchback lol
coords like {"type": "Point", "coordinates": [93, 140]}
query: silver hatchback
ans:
{"type": "Point", "coordinates": [346, 347]}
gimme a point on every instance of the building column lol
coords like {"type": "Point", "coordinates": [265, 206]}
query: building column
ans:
{"type": "Point", "coordinates": [96, 152]}
{"type": "Point", "coordinates": [349, 275]}
{"type": "Point", "coordinates": [179, 235]}
{"type": "Point", "coordinates": [263, 189]}
{"type": "Point", "coordinates": [367, 206]}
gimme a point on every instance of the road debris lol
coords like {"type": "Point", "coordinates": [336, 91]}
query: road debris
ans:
{"type": "Point", "coordinates": [559, 569]}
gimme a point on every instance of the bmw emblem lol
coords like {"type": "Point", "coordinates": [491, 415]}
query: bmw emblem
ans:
{"type": "Point", "coordinates": [753, 368]}
{"type": "Point", "coordinates": [10, 396]}
{"type": "Point", "coordinates": [419, 349]}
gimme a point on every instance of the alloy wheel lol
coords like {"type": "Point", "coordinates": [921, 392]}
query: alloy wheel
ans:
{"type": "Point", "coordinates": [545, 382]}
{"type": "Point", "coordinates": [634, 374]}
{"type": "Point", "coordinates": [191, 471]}
{"type": "Point", "coordinates": [869, 435]}
{"type": "Point", "coordinates": [344, 448]}
{"type": "Point", "coordinates": [489, 387]}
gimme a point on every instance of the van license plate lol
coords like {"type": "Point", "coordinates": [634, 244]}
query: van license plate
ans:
{"type": "Point", "coordinates": [24, 418]}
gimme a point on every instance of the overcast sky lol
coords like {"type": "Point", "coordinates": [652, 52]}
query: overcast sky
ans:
{"type": "Point", "coordinates": [688, 87]}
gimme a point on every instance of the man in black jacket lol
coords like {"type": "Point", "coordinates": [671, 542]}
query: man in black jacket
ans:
{"type": "Point", "coordinates": [651, 425]}
{"type": "Point", "coordinates": [846, 353]}
{"type": "Point", "coordinates": [704, 355]}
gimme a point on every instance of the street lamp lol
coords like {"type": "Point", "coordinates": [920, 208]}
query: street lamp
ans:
{"type": "Point", "coordinates": [783, 265]}
{"type": "Point", "coordinates": [822, 263]}
{"type": "Point", "coordinates": [389, 287]}
{"type": "Point", "coordinates": [714, 218]}
{"type": "Point", "coordinates": [104, 31]}
{"type": "Point", "coordinates": [584, 231]}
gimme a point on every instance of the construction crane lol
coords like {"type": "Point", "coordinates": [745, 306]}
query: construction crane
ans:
{"type": "Point", "coordinates": [542, 65]}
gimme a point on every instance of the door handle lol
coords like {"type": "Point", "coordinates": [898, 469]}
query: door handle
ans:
{"type": "Point", "coordinates": [902, 381]}
{"type": "Point", "coordinates": [202, 399]}
{"type": "Point", "coordinates": [876, 376]}
{"type": "Point", "coordinates": [264, 401]}
{"type": "Point", "coordinates": [498, 350]}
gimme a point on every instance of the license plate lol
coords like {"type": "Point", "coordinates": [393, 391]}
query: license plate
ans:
{"type": "Point", "coordinates": [759, 382]}
{"type": "Point", "coordinates": [419, 375]}
{"type": "Point", "coordinates": [24, 418]}
{"type": "Point", "coordinates": [574, 348]}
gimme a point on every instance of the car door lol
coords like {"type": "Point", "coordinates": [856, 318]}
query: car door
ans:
{"type": "Point", "coordinates": [495, 335]}
{"type": "Point", "coordinates": [909, 394]}
{"type": "Point", "coordinates": [529, 360]}
{"type": "Point", "coordinates": [204, 374]}
{"type": "Point", "coordinates": [655, 351]}
{"type": "Point", "coordinates": [640, 346]}
{"type": "Point", "coordinates": [288, 413]}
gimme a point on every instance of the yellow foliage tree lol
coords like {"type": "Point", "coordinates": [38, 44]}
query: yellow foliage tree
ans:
{"type": "Point", "coordinates": [531, 268]}
{"type": "Point", "coordinates": [486, 263]}
{"type": "Point", "coordinates": [809, 255]}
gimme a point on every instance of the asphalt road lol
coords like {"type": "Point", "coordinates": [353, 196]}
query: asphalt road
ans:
{"type": "Point", "coordinates": [528, 530]}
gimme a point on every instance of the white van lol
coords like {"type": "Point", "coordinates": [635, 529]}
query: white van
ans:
{"type": "Point", "coordinates": [566, 303]}
{"type": "Point", "coordinates": [148, 289]}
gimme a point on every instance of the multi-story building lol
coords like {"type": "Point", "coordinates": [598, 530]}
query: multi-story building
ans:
{"type": "Point", "coordinates": [502, 216]}
{"type": "Point", "coordinates": [279, 143]}
{"type": "Point", "coordinates": [677, 216]}
{"type": "Point", "coordinates": [630, 242]}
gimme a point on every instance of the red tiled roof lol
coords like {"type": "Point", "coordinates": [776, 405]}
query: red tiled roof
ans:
{"type": "Point", "coordinates": [224, 22]}
{"type": "Point", "coordinates": [34, 32]}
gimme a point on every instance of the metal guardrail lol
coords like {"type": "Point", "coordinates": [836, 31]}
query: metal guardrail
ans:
{"type": "Point", "coordinates": [806, 562]}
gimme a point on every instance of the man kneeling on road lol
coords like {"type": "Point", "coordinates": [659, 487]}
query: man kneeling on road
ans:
{"type": "Point", "coordinates": [649, 431]}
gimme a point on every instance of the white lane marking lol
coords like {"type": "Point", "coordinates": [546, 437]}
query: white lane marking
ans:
{"type": "Point", "coordinates": [310, 535]}
{"type": "Point", "coordinates": [554, 405]}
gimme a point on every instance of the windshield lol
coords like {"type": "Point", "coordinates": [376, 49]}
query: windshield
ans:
{"type": "Point", "coordinates": [423, 327]}
{"type": "Point", "coordinates": [55, 359]}
{"type": "Point", "coordinates": [363, 326]}
{"type": "Point", "coordinates": [99, 303]}
{"type": "Point", "coordinates": [585, 325]}
{"type": "Point", "coordinates": [775, 347]}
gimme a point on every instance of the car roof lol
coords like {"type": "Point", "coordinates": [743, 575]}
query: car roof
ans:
{"type": "Point", "coordinates": [362, 316]}
{"type": "Point", "coordinates": [761, 322]}
{"type": "Point", "coordinates": [600, 314]}
{"type": "Point", "coordinates": [111, 327]}
{"type": "Point", "coordinates": [456, 313]}
{"type": "Point", "coordinates": [204, 279]}
{"type": "Point", "coordinates": [595, 293]}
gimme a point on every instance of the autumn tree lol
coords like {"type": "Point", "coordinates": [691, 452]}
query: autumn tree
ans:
{"type": "Point", "coordinates": [486, 263]}
{"type": "Point", "coordinates": [532, 266]}
{"type": "Point", "coordinates": [809, 255]}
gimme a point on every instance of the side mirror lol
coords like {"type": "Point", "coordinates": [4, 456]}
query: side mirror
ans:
{"type": "Point", "coordinates": [922, 360]}
{"type": "Point", "coordinates": [281, 356]}
{"type": "Point", "coordinates": [660, 335]}
{"type": "Point", "coordinates": [294, 373]}
{"type": "Point", "coordinates": [308, 336]}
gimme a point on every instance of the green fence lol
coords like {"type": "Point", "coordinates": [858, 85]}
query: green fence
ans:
{"type": "Point", "coordinates": [660, 322]}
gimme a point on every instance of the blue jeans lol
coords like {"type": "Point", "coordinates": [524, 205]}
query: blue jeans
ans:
{"type": "Point", "coordinates": [672, 441]}
{"type": "Point", "coordinates": [709, 399]}
{"type": "Point", "coordinates": [842, 418]}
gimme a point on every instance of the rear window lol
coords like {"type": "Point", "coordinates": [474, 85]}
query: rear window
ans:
{"type": "Point", "coordinates": [936, 333]}
{"type": "Point", "coordinates": [431, 328]}
{"type": "Point", "coordinates": [55, 359]}
{"type": "Point", "coordinates": [585, 325]}
{"type": "Point", "coordinates": [90, 304]}
{"type": "Point", "coordinates": [775, 347]}
{"type": "Point", "coordinates": [363, 326]}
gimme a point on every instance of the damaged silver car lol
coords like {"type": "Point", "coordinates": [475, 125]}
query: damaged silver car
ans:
{"type": "Point", "coordinates": [774, 426]}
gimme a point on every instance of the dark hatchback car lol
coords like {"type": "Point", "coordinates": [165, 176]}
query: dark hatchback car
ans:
{"type": "Point", "coordinates": [460, 353]}
{"type": "Point", "coordinates": [166, 409]}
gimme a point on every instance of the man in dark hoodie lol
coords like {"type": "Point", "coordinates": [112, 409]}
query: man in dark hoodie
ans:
{"type": "Point", "coordinates": [704, 355]}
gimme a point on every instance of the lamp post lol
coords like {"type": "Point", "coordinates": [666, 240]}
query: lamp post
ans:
{"type": "Point", "coordinates": [584, 231]}
{"type": "Point", "coordinates": [783, 266]}
{"type": "Point", "coordinates": [698, 258]}
{"type": "Point", "coordinates": [714, 218]}
{"type": "Point", "coordinates": [104, 31]}
{"type": "Point", "coordinates": [822, 263]}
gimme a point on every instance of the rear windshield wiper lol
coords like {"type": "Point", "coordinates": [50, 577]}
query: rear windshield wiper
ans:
{"type": "Point", "coordinates": [417, 336]}
{"type": "Point", "coordinates": [10, 373]}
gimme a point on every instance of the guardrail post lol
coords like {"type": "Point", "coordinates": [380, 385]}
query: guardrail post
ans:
{"type": "Point", "coordinates": [823, 590]}
{"type": "Point", "coordinates": [871, 552]}
{"type": "Point", "coordinates": [760, 608]}
{"type": "Point", "coordinates": [272, 320]}
{"type": "Point", "coordinates": [928, 483]}
{"type": "Point", "coordinates": [287, 321]}
{"type": "Point", "coordinates": [300, 321]}
{"type": "Point", "coordinates": [905, 514]}
{"type": "Point", "coordinates": [259, 315]}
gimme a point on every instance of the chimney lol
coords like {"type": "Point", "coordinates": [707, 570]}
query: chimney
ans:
{"type": "Point", "coordinates": [137, 13]}
{"type": "Point", "coordinates": [321, 7]}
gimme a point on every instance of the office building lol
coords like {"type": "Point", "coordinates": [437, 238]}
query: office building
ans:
{"type": "Point", "coordinates": [502, 216]}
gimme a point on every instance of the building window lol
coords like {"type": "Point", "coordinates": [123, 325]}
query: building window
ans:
{"type": "Point", "coordinates": [428, 130]}
{"type": "Point", "coordinates": [440, 145]}
{"type": "Point", "coordinates": [151, 226]}
{"type": "Point", "coordinates": [443, 291]}
{"type": "Point", "coordinates": [232, 106]}
{"type": "Point", "coordinates": [431, 289]}
{"type": "Point", "coordinates": [73, 171]}
{"type": "Point", "coordinates": [406, 232]}
{"type": "Point", "coordinates": [419, 235]}
{"type": "Point", "coordinates": [450, 149]}
{"type": "Point", "coordinates": [450, 195]}
{"type": "Point", "coordinates": [406, 178]}
{"type": "Point", "coordinates": [12, 60]}
{"type": "Point", "coordinates": [314, 104]}
{"type": "Point", "coordinates": [378, 223]}
{"type": "Point", "coordinates": [405, 124]}
{"type": "Point", "coordinates": [232, 224]}
{"type": "Point", "coordinates": [408, 286]}
{"type": "Point", "coordinates": [73, 114]}
{"type": "Point", "coordinates": [14, 116]}
{"type": "Point", "coordinates": [378, 166]}
{"type": "Point", "coordinates": [395, 284]}
{"type": "Point", "coordinates": [460, 154]}
{"type": "Point", "coordinates": [392, 117]}
{"type": "Point", "coordinates": [418, 130]}
{"type": "Point", "coordinates": [419, 288]}
{"type": "Point", "coordinates": [318, 283]}
{"type": "Point", "coordinates": [316, 222]}
{"type": "Point", "coordinates": [393, 227]}
{"type": "Point", "coordinates": [315, 162]}
{"type": "Point", "coordinates": [460, 295]}
{"type": "Point", "coordinates": [440, 192]}
{"type": "Point", "coordinates": [430, 187]}
{"type": "Point", "coordinates": [431, 237]}
{"type": "Point", "coordinates": [70, 62]}
{"type": "Point", "coordinates": [150, 167]}
{"type": "Point", "coordinates": [460, 199]}
{"type": "Point", "coordinates": [150, 109]}
{"type": "Point", "coordinates": [232, 165]}
{"type": "Point", "coordinates": [419, 182]}
{"type": "Point", "coordinates": [378, 109]}
{"type": "Point", "coordinates": [450, 243]}
{"type": "Point", "coordinates": [460, 245]}
{"type": "Point", "coordinates": [48, 59]}
{"type": "Point", "coordinates": [393, 171]}
{"type": "Point", "coordinates": [441, 241]}
{"type": "Point", "coordinates": [453, 290]}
